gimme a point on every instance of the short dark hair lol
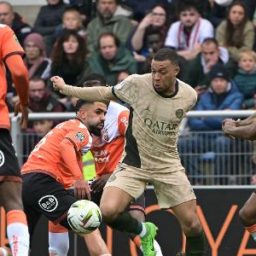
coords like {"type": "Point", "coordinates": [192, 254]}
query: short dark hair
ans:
{"type": "Point", "coordinates": [210, 40]}
{"type": "Point", "coordinates": [91, 79]}
{"type": "Point", "coordinates": [38, 79]}
{"type": "Point", "coordinates": [167, 54]}
{"type": "Point", "coordinates": [185, 5]}
{"type": "Point", "coordinates": [81, 103]}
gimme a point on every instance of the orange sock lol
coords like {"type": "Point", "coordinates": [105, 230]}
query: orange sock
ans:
{"type": "Point", "coordinates": [137, 241]}
{"type": "Point", "coordinates": [252, 231]}
{"type": "Point", "coordinates": [17, 232]}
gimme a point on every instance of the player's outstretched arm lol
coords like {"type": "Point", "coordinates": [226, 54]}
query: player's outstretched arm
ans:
{"type": "Point", "coordinates": [247, 121]}
{"type": "Point", "coordinates": [247, 132]}
{"type": "Point", "coordinates": [92, 93]}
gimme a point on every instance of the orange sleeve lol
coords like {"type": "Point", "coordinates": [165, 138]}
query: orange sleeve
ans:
{"type": "Point", "coordinates": [69, 157]}
{"type": "Point", "coordinates": [123, 120]}
{"type": "Point", "coordinates": [80, 138]}
{"type": "Point", "coordinates": [19, 76]}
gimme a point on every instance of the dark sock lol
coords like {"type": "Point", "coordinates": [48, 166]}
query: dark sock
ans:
{"type": "Point", "coordinates": [196, 245]}
{"type": "Point", "coordinates": [125, 222]}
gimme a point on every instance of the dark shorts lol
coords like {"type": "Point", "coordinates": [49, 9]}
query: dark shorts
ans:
{"type": "Point", "coordinates": [9, 167]}
{"type": "Point", "coordinates": [43, 195]}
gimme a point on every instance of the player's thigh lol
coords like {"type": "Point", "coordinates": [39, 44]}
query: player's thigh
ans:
{"type": "Point", "coordinates": [129, 179]}
{"type": "Point", "coordinates": [114, 200]}
{"type": "Point", "coordinates": [9, 167]}
{"type": "Point", "coordinates": [186, 214]}
{"type": "Point", "coordinates": [44, 194]}
{"type": "Point", "coordinates": [173, 188]}
{"type": "Point", "coordinates": [10, 198]}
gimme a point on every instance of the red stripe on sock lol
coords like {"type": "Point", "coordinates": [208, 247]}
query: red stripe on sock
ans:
{"type": "Point", "coordinates": [15, 216]}
{"type": "Point", "coordinates": [251, 229]}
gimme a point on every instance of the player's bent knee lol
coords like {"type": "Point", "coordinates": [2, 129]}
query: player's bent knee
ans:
{"type": "Point", "coordinates": [109, 214]}
{"type": "Point", "coordinates": [193, 227]}
{"type": "Point", "coordinates": [245, 217]}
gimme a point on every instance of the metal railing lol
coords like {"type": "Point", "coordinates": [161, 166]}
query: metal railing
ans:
{"type": "Point", "coordinates": [208, 157]}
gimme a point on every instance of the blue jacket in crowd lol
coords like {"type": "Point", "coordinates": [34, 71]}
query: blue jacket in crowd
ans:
{"type": "Point", "coordinates": [230, 100]}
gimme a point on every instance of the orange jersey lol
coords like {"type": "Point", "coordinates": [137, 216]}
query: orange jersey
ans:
{"type": "Point", "coordinates": [108, 149]}
{"type": "Point", "coordinates": [9, 45]}
{"type": "Point", "coordinates": [47, 156]}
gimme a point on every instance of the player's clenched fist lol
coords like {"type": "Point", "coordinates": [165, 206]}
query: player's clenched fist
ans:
{"type": "Point", "coordinates": [82, 190]}
{"type": "Point", "coordinates": [58, 82]}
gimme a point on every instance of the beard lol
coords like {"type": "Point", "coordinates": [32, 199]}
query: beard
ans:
{"type": "Point", "coordinates": [94, 130]}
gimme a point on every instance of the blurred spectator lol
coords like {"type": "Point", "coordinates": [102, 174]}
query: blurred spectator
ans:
{"type": "Point", "coordinates": [198, 68]}
{"type": "Point", "coordinates": [42, 127]}
{"type": "Point", "coordinates": [156, 20]}
{"type": "Point", "coordinates": [47, 20]}
{"type": "Point", "coordinates": [35, 60]}
{"type": "Point", "coordinates": [222, 95]}
{"type": "Point", "coordinates": [187, 34]}
{"type": "Point", "coordinates": [111, 58]}
{"type": "Point", "coordinates": [71, 20]}
{"type": "Point", "coordinates": [218, 11]}
{"type": "Point", "coordinates": [153, 42]}
{"type": "Point", "coordinates": [121, 76]}
{"type": "Point", "coordinates": [236, 32]}
{"type": "Point", "coordinates": [40, 98]}
{"type": "Point", "coordinates": [141, 8]}
{"type": "Point", "coordinates": [86, 9]}
{"type": "Point", "coordinates": [68, 57]}
{"type": "Point", "coordinates": [33, 135]}
{"type": "Point", "coordinates": [14, 20]}
{"type": "Point", "coordinates": [245, 78]}
{"type": "Point", "coordinates": [107, 21]}
{"type": "Point", "coordinates": [251, 7]}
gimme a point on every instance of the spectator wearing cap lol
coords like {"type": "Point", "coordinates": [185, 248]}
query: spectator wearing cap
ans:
{"type": "Point", "coordinates": [35, 60]}
{"type": "Point", "coordinates": [221, 95]}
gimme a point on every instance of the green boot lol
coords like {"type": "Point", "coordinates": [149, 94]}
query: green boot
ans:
{"type": "Point", "coordinates": [147, 241]}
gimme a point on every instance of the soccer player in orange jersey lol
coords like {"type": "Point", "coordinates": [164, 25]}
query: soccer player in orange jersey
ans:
{"type": "Point", "coordinates": [52, 175]}
{"type": "Point", "coordinates": [10, 180]}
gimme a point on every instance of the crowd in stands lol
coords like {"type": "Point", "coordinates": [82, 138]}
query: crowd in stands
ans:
{"type": "Point", "coordinates": [215, 41]}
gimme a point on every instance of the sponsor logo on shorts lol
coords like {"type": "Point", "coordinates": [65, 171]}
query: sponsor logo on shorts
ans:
{"type": "Point", "coordinates": [48, 203]}
{"type": "Point", "coordinates": [2, 158]}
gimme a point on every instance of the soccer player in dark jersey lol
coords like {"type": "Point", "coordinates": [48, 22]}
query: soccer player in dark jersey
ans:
{"type": "Point", "coordinates": [10, 180]}
{"type": "Point", "coordinates": [158, 102]}
{"type": "Point", "coordinates": [244, 129]}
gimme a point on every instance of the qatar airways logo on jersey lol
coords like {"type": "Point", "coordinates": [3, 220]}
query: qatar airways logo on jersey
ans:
{"type": "Point", "coordinates": [161, 127]}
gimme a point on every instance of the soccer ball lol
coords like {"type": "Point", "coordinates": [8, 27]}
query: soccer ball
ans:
{"type": "Point", "coordinates": [84, 216]}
